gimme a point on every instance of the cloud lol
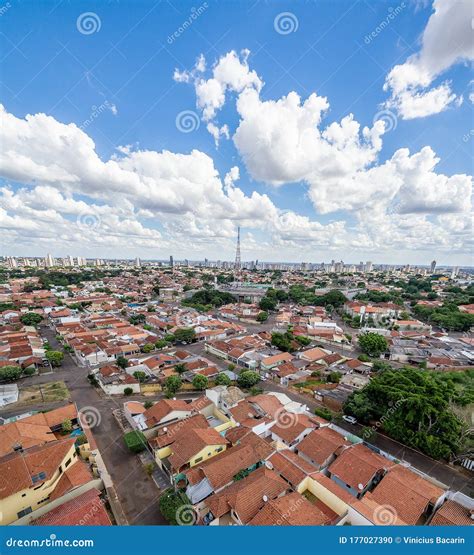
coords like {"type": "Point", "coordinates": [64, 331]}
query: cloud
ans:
{"type": "Point", "coordinates": [446, 41]}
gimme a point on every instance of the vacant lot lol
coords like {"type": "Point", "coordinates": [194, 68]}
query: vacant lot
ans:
{"type": "Point", "coordinates": [45, 393]}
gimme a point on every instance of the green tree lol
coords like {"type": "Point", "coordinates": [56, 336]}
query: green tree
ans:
{"type": "Point", "coordinates": [172, 385]}
{"type": "Point", "coordinates": [10, 373]}
{"type": "Point", "coordinates": [148, 404]}
{"type": "Point", "coordinates": [373, 344]}
{"type": "Point", "coordinates": [161, 344]}
{"type": "Point", "coordinates": [267, 304]}
{"type": "Point", "coordinates": [31, 319]}
{"type": "Point", "coordinates": [414, 407]}
{"type": "Point", "coordinates": [222, 379]}
{"type": "Point", "coordinates": [55, 358]}
{"type": "Point", "coordinates": [140, 376]}
{"type": "Point", "coordinates": [262, 316]}
{"type": "Point", "coordinates": [248, 378]}
{"type": "Point", "coordinates": [148, 348]}
{"type": "Point", "coordinates": [200, 382]}
{"type": "Point", "coordinates": [184, 335]}
{"type": "Point", "coordinates": [180, 368]}
{"type": "Point", "coordinates": [128, 391]}
{"type": "Point", "coordinates": [380, 366]}
{"type": "Point", "coordinates": [66, 426]}
{"type": "Point", "coordinates": [122, 362]}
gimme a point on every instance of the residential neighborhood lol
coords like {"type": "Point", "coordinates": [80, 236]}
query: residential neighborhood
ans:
{"type": "Point", "coordinates": [120, 405]}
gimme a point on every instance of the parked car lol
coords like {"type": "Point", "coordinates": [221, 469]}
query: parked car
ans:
{"type": "Point", "coordinates": [349, 419]}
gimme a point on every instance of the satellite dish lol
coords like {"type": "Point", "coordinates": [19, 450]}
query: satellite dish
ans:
{"type": "Point", "coordinates": [265, 498]}
{"type": "Point", "coordinates": [269, 465]}
{"type": "Point", "coordinates": [165, 429]}
{"type": "Point", "coordinates": [361, 487]}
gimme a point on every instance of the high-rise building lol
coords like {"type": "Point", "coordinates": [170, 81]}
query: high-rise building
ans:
{"type": "Point", "coordinates": [433, 267]}
{"type": "Point", "coordinates": [171, 262]}
{"type": "Point", "coordinates": [368, 266]}
{"type": "Point", "coordinates": [137, 262]}
{"type": "Point", "coordinates": [49, 261]}
{"type": "Point", "coordinates": [237, 265]}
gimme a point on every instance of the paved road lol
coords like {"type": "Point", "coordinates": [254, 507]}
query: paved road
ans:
{"type": "Point", "coordinates": [455, 478]}
{"type": "Point", "coordinates": [136, 491]}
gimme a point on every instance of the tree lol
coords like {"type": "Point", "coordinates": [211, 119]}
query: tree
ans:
{"type": "Point", "coordinates": [140, 376]}
{"type": "Point", "coordinates": [283, 341]}
{"type": "Point", "coordinates": [266, 304]}
{"type": "Point", "coordinates": [135, 441]}
{"type": "Point", "coordinates": [222, 379]}
{"type": "Point", "coordinates": [248, 378]}
{"type": "Point", "coordinates": [380, 366]}
{"type": "Point", "coordinates": [31, 319]}
{"type": "Point", "coordinates": [180, 368]}
{"type": "Point", "coordinates": [10, 373]}
{"type": "Point", "coordinates": [262, 316]}
{"type": "Point", "coordinates": [128, 391]}
{"type": "Point", "coordinates": [148, 348]}
{"type": "Point", "coordinates": [66, 426]}
{"type": "Point", "coordinates": [172, 385]}
{"type": "Point", "coordinates": [122, 362]}
{"type": "Point", "coordinates": [200, 382]}
{"type": "Point", "coordinates": [373, 344]}
{"type": "Point", "coordinates": [55, 358]}
{"type": "Point", "coordinates": [148, 404]}
{"type": "Point", "coordinates": [414, 407]}
{"type": "Point", "coordinates": [161, 344]}
{"type": "Point", "coordinates": [137, 319]}
{"type": "Point", "coordinates": [334, 377]}
{"type": "Point", "coordinates": [184, 335]}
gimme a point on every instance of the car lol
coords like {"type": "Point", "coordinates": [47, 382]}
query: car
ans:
{"type": "Point", "coordinates": [349, 419]}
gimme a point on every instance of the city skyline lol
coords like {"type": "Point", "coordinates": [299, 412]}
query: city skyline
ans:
{"type": "Point", "coordinates": [264, 126]}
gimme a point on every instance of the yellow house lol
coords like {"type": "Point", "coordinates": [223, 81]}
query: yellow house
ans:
{"type": "Point", "coordinates": [191, 447]}
{"type": "Point", "coordinates": [30, 479]}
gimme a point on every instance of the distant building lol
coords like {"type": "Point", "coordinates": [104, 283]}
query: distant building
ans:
{"type": "Point", "coordinates": [433, 267]}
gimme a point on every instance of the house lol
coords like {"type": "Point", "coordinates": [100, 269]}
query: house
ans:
{"type": "Point", "coordinates": [30, 479]}
{"type": "Point", "coordinates": [114, 381]}
{"type": "Point", "coordinates": [291, 428]}
{"type": "Point", "coordinates": [170, 410]}
{"type": "Point", "coordinates": [292, 468]}
{"type": "Point", "coordinates": [87, 509]}
{"type": "Point", "coordinates": [452, 513]}
{"type": "Point", "coordinates": [225, 397]}
{"type": "Point", "coordinates": [247, 453]}
{"type": "Point", "coordinates": [413, 498]}
{"type": "Point", "coordinates": [321, 447]}
{"type": "Point", "coordinates": [37, 429]}
{"type": "Point", "coordinates": [292, 509]}
{"type": "Point", "coordinates": [270, 362]}
{"type": "Point", "coordinates": [358, 468]}
{"type": "Point", "coordinates": [241, 501]}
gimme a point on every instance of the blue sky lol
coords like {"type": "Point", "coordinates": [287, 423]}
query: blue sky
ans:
{"type": "Point", "coordinates": [115, 82]}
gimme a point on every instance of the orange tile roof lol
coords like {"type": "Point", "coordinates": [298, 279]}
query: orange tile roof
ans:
{"type": "Point", "coordinates": [190, 441]}
{"type": "Point", "coordinates": [247, 496]}
{"type": "Point", "coordinates": [292, 468]}
{"type": "Point", "coordinates": [17, 469]}
{"type": "Point", "coordinates": [357, 465]}
{"type": "Point", "coordinates": [290, 510]}
{"type": "Point", "coordinates": [86, 509]}
{"type": "Point", "coordinates": [320, 444]}
{"type": "Point", "coordinates": [407, 492]}
{"type": "Point", "coordinates": [74, 476]}
{"type": "Point", "coordinates": [452, 513]}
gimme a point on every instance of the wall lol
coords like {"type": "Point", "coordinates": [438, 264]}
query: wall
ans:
{"type": "Point", "coordinates": [208, 452]}
{"type": "Point", "coordinates": [326, 496]}
{"type": "Point", "coordinates": [150, 387]}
